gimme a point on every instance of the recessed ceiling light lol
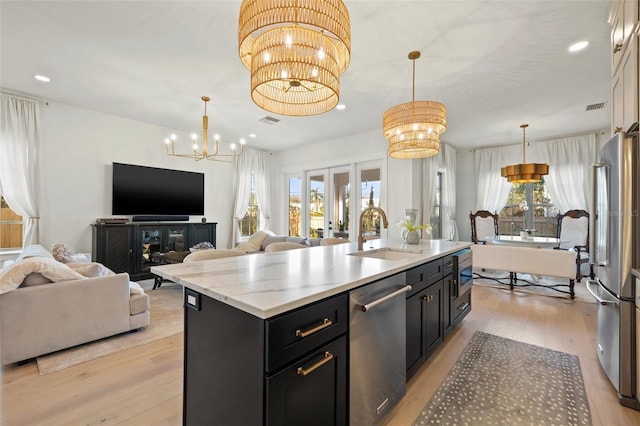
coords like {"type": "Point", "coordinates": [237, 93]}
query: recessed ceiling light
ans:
{"type": "Point", "coordinates": [341, 106]}
{"type": "Point", "coordinates": [42, 78]}
{"type": "Point", "coordinates": [252, 135]}
{"type": "Point", "coordinates": [578, 46]}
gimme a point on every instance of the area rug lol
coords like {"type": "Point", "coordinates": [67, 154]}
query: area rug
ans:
{"type": "Point", "coordinates": [166, 320]}
{"type": "Point", "coordinates": [498, 381]}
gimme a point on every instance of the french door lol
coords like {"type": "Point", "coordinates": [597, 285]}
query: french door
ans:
{"type": "Point", "coordinates": [328, 192]}
{"type": "Point", "coordinates": [334, 197]}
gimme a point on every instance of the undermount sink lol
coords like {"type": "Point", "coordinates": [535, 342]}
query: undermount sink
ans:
{"type": "Point", "coordinates": [387, 253]}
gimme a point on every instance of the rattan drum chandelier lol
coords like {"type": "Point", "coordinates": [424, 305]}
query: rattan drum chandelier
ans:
{"type": "Point", "coordinates": [296, 51]}
{"type": "Point", "coordinates": [524, 172]}
{"type": "Point", "coordinates": [414, 128]}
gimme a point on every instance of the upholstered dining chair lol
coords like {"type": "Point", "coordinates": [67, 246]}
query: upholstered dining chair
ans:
{"type": "Point", "coordinates": [483, 224]}
{"type": "Point", "coordinates": [573, 231]}
{"type": "Point", "coordinates": [329, 241]}
{"type": "Point", "coordinates": [201, 255]}
{"type": "Point", "coordinates": [284, 245]}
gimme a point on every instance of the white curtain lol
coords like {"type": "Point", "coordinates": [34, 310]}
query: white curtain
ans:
{"type": "Point", "coordinates": [256, 163]}
{"type": "Point", "coordinates": [19, 124]}
{"type": "Point", "coordinates": [449, 185]}
{"type": "Point", "coordinates": [569, 180]}
{"type": "Point", "coordinates": [262, 174]}
{"type": "Point", "coordinates": [493, 189]}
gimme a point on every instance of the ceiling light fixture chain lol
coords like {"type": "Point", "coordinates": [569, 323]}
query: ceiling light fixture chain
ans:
{"type": "Point", "coordinates": [414, 128]}
{"type": "Point", "coordinates": [525, 172]}
{"type": "Point", "coordinates": [170, 143]}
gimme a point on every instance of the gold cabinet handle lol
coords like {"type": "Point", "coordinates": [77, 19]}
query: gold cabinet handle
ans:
{"type": "Point", "coordinates": [328, 356]}
{"type": "Point", "coordinates": [617, 47]}
{"type": "Point", "coordinates": [617, 129]}
{"type": "Point", "coordinates": [428, 298]}
{"type": "Point", "coordinates": [325, 323]}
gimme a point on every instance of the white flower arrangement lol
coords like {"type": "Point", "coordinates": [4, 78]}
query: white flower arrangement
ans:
{"type": "Point", "coordinates": [407, 224]}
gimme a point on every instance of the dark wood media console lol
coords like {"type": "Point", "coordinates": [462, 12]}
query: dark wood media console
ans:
{"type": "Point", "coordinates": [133, 247]}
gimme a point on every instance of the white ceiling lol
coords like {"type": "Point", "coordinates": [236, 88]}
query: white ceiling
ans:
{"type": "Point", "coordinates": [494, 64]}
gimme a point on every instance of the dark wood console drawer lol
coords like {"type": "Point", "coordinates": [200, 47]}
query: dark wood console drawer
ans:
{"type": "Point", "coordinates": [294, 334]}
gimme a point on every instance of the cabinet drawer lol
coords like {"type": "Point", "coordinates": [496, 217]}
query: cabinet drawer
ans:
{"type": "Point", "coordinates": [311, 391]}
{"type": "Point", "coordinates": [433, 272]}
{"type": "Point", "coordinates": [447, 265]}
{"type": "Point", "coordinates": [294, 334]}
{"type": "Point", "coordinates": [460, 307]}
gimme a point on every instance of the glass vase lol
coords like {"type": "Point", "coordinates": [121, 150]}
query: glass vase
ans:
{"type": "Point", "coordinates": [411, 237]}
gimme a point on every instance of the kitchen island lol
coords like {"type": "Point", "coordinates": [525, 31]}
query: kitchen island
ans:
{"type": "Point", "coordinates": [256, 325]}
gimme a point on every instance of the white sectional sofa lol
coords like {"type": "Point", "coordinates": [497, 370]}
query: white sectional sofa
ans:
{"type": "Point", "coordinates": [46, 305]}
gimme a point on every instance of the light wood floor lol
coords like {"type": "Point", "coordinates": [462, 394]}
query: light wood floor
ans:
{"type": "Point", "coordinates": [143, 386]}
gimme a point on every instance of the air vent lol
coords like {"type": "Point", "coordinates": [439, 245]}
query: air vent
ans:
{"type": "Point", "coordinates": [269, 120]}
{"type": "Point", "coordinates": [594, 107]}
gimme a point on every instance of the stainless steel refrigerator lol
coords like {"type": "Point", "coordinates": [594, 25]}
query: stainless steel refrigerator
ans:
{"type": "Point", "coordinates": [615, 251]}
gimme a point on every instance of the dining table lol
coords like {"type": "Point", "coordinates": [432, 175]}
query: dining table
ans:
{"type": "Point", "coordinates": [533, 241]}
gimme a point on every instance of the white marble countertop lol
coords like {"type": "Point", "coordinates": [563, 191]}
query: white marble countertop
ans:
{"type": "Point", "coordinates": [268, 284]}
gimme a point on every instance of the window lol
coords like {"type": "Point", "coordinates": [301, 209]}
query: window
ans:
{"type": "Point", "coordinates": [10, 227]}
{"type": "Point", "coordinates": [295, 207]}
{"type": "Point", "coordinates": [248, 225]}
{"type": "Point", "coordinates": [370, 187]}
{"type": "Point", "coordinates": [436, 212]}
{"type": "Point", "coordinates": [529, 206]}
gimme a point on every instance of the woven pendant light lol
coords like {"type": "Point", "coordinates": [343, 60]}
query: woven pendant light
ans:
{"type": "Point", "coordinates": [296, 51]}
{"type": "Point", "coordinates": [414, 128]}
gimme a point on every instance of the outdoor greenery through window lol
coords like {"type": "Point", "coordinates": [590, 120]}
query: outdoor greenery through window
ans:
{"type": "Point", "coordinates": [295, 207]}
{"type": "Point", "coordinates": [529, 206]}
{"type": "Point", "coordinates": [10, 227]}
{"type": "Point", "coordinates": [248, 225]}
{"type": "Point", "coordinates": [436, 212]}
{"type": "Point", "coordinates": [370, 197]}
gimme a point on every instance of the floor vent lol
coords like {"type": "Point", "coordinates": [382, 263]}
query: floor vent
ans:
{"type": "Point", "coordinates": [269, 120]}
{"type": "Point", "coordinates": [594, 107]}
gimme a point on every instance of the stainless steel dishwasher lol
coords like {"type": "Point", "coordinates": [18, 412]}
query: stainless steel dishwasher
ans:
{"type": "Point", "coordinates": [377, 339]}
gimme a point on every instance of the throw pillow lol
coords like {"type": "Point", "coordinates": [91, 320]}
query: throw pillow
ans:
{"type": "Point", "coordinates": [62, 253]}
{"type": "Point", "coordinates": [254, 242]}
{"type": "Point", "coordinates": [91, 270]}
{"type": "Point", "coordinates": [14, 275]}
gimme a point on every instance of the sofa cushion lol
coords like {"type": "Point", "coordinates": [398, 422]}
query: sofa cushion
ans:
{"type": "Point", "coordinates": [138, 303]}
{"type": "Point", "coordinates": [270, 239]}
{"type": "Point", "coordinates": [91, 270]}
{"type": "Point", "coordinates": [34, 250]}
{"type": "Point", "coordinates": [315, 242]}
{"type": "Point", "coordinates": [35, 278]}
{"type": "Point", "coordinates": [12, 276]}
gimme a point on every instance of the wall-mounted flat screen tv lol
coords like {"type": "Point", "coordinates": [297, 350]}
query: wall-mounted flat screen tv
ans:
{"type": "Point", "coordinates": [141, 190]}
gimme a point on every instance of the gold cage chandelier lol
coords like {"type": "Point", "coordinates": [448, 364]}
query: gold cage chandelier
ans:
{"type": "Point", "coordinates": [296, 51]}
{"type": "Point", "coordinates": [170, 143]}
{"type": "Point", "coordinates": [414, 128]}
{"type": "Point", "coordinates": [524, 172]}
